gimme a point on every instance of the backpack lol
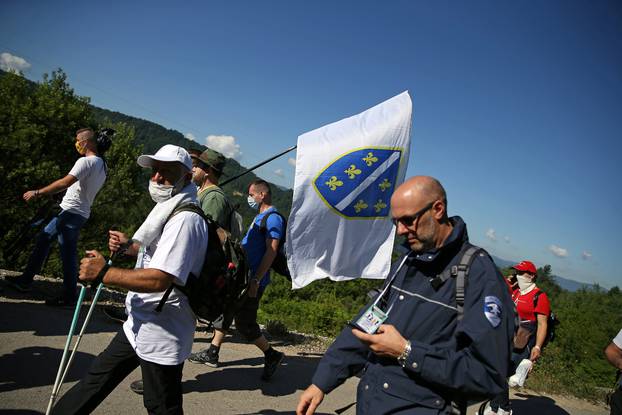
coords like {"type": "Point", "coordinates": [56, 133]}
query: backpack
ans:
{"type": "Point", "coordinates": [223, 279]}
{"type": "Point", "coordinates": [552, 321]}
{"type": "Point", "coordinates": [461, 272]}
{"type": "Point", "coordinates": [236, 220]}
{"type": "Point", "coordinates": [279, 264]}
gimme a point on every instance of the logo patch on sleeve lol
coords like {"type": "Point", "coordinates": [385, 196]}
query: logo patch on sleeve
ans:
{"type": "Point", "coordinates": [492, 310]}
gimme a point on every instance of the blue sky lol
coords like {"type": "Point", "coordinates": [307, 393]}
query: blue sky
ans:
{"type": "Point", "coordinates": [517, 106]}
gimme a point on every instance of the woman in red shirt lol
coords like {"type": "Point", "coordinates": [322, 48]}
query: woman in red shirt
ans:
{"type": "Point", "coordinates": [533, 308]}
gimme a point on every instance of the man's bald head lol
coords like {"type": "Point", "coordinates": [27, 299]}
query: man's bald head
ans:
{"type": "Point", "coordinates": [424, 189]}
{"type": "Point", "coordinates": [419, 210]}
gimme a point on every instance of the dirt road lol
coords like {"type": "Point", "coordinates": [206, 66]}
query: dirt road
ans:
{"type": "Point", "coordinates": [32, 337]}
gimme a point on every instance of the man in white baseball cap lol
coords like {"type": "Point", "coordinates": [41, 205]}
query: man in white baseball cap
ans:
{"type": "Point", "coordinates": [169, 245]}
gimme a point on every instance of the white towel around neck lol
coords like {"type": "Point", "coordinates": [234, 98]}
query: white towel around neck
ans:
{"type": "Point", "coordinates": [153, 225]}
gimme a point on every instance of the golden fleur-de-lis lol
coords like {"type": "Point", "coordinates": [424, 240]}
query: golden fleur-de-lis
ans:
{"type": "Point", "coordinates": [333, 183]}
{"type": "Point", "coordinates": [360, 205]}
{"type": "Point", "coordinates": [380, 205]}
{"type": "Point", "coordinates": [370, 159]}
{"type": "Point", "coordinates": [352, 171]}
{"type": "Point", "coordinates": [384, 185]}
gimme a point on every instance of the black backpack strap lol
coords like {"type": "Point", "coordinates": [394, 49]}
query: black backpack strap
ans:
{"type": "Point", "coordinates": [535, 298]}
{"type": "Point", "coordinates": [263, 225]}
{"type": "Point", "coordinates": [460, 272]}
{"type": "Point", "coordinates": [187, 207]}
{"type": "Point", "coordinates": [164, 298]}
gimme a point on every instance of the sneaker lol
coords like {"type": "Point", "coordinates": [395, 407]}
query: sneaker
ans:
{"type": "Point", "coordinates": [271, 364]}
{"type": "Point", "coordinates": [20, 286]}
{"type": "Point", "coordinates": [488, 410]}
{"type": "Point", "coordinates": [137, 386]}
{"type": "Point", "coordinates": [60, 302]}
{"type": "Point", "coordinates": [204, 357]}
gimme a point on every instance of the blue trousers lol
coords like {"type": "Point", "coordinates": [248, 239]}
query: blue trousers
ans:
{"type": "Point", "coordinates": [66, 228]}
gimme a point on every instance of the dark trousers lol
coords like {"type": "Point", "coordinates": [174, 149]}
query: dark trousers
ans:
{"type": "Point", "coordinates": [245, 315]}
{"type": "Point", "coordinates": [616, 402]}
{"type": "Point", "coordinates": [502, 400]}
{"type": "Point", "coordinates": [162, 384]}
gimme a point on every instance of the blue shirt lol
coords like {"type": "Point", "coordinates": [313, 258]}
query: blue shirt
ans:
{"type": "Point", "coordinates": [254, 242]}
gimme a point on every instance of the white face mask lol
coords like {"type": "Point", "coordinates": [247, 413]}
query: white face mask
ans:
{"type": "Point", "coordinates": [525, 283]}
{"type": "Point", "coordinates": [253, 203]}
{"type": "Point", "coordinates": [162, 192]}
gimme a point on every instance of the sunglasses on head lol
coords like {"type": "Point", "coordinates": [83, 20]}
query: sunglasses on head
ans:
{"type": "Point", "coordinates": [410, 220]}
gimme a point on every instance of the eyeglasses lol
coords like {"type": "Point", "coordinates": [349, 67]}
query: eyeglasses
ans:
{"type": "Point", "coordinates": [409, 221]}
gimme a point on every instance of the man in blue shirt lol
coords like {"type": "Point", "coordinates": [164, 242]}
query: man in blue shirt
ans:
{"type": "Point", "coordinates": [260, 245]}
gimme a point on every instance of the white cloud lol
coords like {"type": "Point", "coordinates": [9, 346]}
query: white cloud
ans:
{"type": "Point", "coordinates": [292, 161]}
{"type": "Point", "coordinates": [12, 63]}
{"type": "Point", "coordinates": [279, 172]}
{"type": "Point", "coordinates": [490, 234]}
{"type": "Point", "coordinates": [225, 144]}
{"type": "Point", "coordinates": [190, 136]}
{"type": "Point", "coordinates": [586, 255]}
{"type": "Point", "coordinates": [558, 251]}
{"type": "Point", "coordinates": [506, 239]}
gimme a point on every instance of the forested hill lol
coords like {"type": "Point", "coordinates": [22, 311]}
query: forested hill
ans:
{"type": "Point", "coordinates": [152, 136]}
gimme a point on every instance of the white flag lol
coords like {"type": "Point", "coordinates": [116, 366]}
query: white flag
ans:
{"type": "Point", "coordinates": [340, 225]}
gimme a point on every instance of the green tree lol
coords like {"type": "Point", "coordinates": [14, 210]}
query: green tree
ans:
{"type": "Point", "coordinates": [37, 129]}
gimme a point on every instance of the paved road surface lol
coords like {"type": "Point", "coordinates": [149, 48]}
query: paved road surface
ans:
{"type": "Point", "coordinates": [32, 337]}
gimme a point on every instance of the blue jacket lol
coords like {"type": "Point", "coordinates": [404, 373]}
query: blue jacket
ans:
{"type": "Point", "coordinates": [450, 360]}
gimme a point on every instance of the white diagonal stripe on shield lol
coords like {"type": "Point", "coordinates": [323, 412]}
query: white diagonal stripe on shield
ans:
{"type": "Point", "coordinates": [368, 181]}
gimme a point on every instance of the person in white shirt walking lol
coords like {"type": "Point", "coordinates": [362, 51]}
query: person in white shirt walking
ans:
{"type": "Point", "coordinates": [169, 245]}
{"type": "Point", "coordinates": [82, 183]}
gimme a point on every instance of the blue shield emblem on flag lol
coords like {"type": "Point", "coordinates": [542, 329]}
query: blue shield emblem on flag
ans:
{"type": "Point", "coordinates": [359, 184]}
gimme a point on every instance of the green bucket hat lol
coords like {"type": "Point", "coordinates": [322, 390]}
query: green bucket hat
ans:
{"type": "Point", "coordinates": [212, 158]}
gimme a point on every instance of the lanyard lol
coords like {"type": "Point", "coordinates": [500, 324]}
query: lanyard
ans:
{"type": "Point", "coordinates": [391, 281]}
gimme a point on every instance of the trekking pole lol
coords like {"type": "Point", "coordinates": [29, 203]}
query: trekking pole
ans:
{"type": "Point", "coordinates": [59, 381]}
{"type": "Point", "coordinates": [76, 314]}
{"type": "Point", "coordinates": [79, 339]}
{"type": "Point", "coordinates": [257, 166]}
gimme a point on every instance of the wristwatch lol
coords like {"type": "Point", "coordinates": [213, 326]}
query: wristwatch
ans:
{"type": "Point", "coordinates": [401, 359]}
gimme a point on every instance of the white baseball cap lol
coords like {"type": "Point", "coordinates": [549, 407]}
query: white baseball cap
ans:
{"type": "Point", "coordinates": [167, 153]}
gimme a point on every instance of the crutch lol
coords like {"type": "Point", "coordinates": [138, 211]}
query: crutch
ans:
{"type": "Point", "coordinates": [63, 369]}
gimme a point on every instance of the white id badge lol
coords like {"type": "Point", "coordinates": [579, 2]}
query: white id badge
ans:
{"type": "Point", "coordinates": [371, 319]}
{"type": "Point", "coordinates": [374, 316]}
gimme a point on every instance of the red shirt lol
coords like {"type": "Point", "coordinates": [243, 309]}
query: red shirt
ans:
{"type": "Point", "coordinates": [524, 304]}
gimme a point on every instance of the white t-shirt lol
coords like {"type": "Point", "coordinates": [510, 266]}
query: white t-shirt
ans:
{"type": "Point", "coordinates": [617, 340]}
{"type": "Point", "coordinates": [91, 176]}
{"type": "Point", "coordinates": [166, 337]}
